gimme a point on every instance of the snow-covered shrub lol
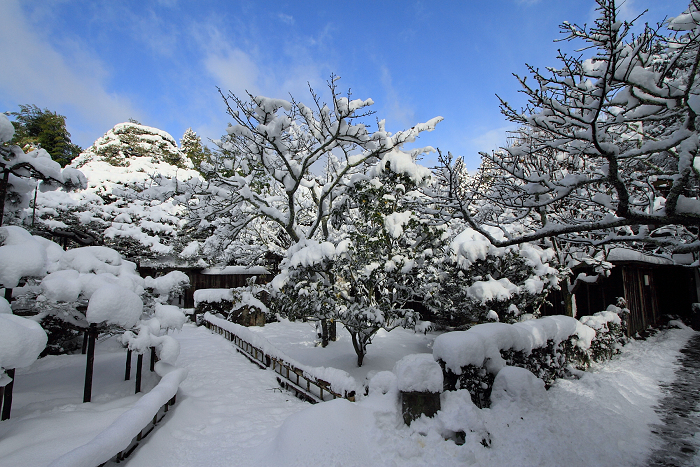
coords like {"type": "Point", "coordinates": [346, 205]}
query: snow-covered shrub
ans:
{"type": "Point", "coordinates": [546, 347]}
{"type": "Point", "coordinates": [610, 333]}
{"type": "Point", "coordinates": [479, 283]}
{"type": "Point", "coordinates": [215, 301]}
{"type": "Point", "coordinates": [60, 284]}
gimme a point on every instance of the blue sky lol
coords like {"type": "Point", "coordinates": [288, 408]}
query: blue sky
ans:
{"type": "Point", "coordinates": [159, 61]}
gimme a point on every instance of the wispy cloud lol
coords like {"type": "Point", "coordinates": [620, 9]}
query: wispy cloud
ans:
{"type": "Point", "coordinates": [288, 19]}
{"type": "Point", "coordinates": [34, 72]}
{"type": "Point", "coordinates": [397, 109]}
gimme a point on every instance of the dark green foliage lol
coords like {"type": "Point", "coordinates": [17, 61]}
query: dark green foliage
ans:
{"type": "Point", "coordinates": [476, 380]}
{"type": "Point", "coordinates": [34, 126]}
{"type": "Point", "coordinates": [63, 337]}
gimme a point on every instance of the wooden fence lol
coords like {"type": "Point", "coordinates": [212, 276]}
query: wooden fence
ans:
{"type": "Point", "coordinates": [291, 378]}
{"type": "Point", "coordinates": [145, 431]}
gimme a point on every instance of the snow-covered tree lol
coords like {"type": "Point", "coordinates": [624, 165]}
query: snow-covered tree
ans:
{"type": "Point", "coordinates": [23, 174]}
{"type": "Point", "coordinates": [192, 146]}
{"type": "Point", "coordinates": [128, 204]}
{"type": "Point", "coordinates": [269, 158]}
{"type": "Point", "coordinates": [383, 262]}
{"type": "Point", "coordinates": [611, 146]}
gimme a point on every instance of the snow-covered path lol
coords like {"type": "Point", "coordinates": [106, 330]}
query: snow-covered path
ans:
{"type": "Point", "coordinates": [226, 408]}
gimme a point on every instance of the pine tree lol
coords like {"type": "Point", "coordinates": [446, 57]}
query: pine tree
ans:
{"type": "Point", "coordinates": [191, 145]}
{"type": "Point", "coordinates": [35, 127]}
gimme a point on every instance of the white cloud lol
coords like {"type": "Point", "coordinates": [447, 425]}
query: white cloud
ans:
{"type": "Point", "coordinates": [397, 112]}
{"type": "Point", "coordinates": [491, 139]}
{"type": "Point", "coordinates": [34, 72]}
{"type": "Point", "coordinates": [288, 19]}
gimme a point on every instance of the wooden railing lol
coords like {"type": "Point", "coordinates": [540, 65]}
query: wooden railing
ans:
{"type": "Point", "coordinates": [303, 385]}
{"type": "Point", "coordinates": [145, 431]}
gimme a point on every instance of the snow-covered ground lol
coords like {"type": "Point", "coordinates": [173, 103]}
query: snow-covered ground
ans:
{"type": "Point", "coordinates": [231, 413]}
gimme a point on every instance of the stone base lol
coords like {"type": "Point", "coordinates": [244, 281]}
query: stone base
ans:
{"type": "Point", "coordinates": [415, 404]}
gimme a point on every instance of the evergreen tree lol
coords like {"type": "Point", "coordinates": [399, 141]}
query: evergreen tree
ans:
{"type": "Point", "coordinates": [191, 145]}
{"type": "Point", "coordinates": [35, 127]}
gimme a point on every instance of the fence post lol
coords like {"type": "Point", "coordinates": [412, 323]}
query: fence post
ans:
{"type": "Point", "coordinates": [92, 336]}
{"type": "Point", "coordinates": [127, 371]}
{"type": "Point", "coordinates": [139, 367]}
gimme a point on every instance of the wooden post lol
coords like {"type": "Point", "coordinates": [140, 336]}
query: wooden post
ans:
{"type": "Point", "coordinates": [3, 191]}
{"type": "Point", "coordinates": [139, 368]}
{"type": "Point", "coordinates": [92, 336]}
{"type": "Point", "coordinates": [154, 359]}
{"type": "Point", "coordinates": [127, 372]}
{"type": "Point", "coordinates": [85, 341]}
{"type": "Point", "coordinates": [7, 399]}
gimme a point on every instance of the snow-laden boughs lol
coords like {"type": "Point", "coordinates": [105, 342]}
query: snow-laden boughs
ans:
{"type": "Point", "coordinates": [269, 165]}
{"type": "Point", "coordinates": [478, 282]}
{"type": "Point", "coordinates": [58, 286]}
{"type": "Point", "coordinates": [23, 174]}
{"type": "Point", "coordinates": [608, 146]}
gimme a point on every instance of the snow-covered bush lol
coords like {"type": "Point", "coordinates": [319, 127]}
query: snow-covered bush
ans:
{"type": "Point", "coordinates": [478, 282]}
{"type": "Point", "coordinates": [59, 286]}
{"type": "Point", "coordinates": [215, 301]}
{"type": "Point", "coordinates": [546, 347]}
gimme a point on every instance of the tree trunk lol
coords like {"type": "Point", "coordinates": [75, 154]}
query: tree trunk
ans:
{"type": "Point", "coordinates": [7, 399]}
{"type": "Point", "coordinates": [359, 348]}
{"type": "Point", "coordinates": [324, 333]}
{"type": "Point", "coordinates": [92, 336]}
{"type": "Point", "coordinates": [568, 298]}
{"type": "Point", "coordinates": [332, 331]}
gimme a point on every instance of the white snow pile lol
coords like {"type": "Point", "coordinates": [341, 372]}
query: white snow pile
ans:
{"type": "Point", "coordinates": [170, 316]}
{"type": "Point", "coordinates": [119, 434]}
{"type": "Point", "coordinates": [482, 344]}
{"type": "Point", "coordinates": [212, 296]}
{"type": "Point", "coordinates": [418, 373]}
{"type": "Point", "coordinates": [515, 384]}
{"type": "Point", "coordinates": [21, 255]}
{"type": "Point", "coordinates": [113, 304]}
{"type": "Point", "coordinates": [7, 131]}
{"type": "Point", "coordinates": [164, 284]}
{"type": "Point", "coordinates": [21, 341]}
{"type": "Point", "coordinates": [5, 306]}
{"type": "Point", "coordinates": [339, 380]}
{"type": "Point", "coordinates": [601, 319]}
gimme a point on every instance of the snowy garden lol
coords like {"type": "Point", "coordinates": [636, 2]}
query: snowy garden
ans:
{"type": "Point", "coordinates": [383, 312]}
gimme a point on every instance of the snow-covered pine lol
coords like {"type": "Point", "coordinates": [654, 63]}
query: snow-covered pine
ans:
{"type": "Point", "coordinates": [23, 174]}
{"type": "Point", "coordinates": [130, 206]}
{"type": "Point", "coordinates": [191, 145]}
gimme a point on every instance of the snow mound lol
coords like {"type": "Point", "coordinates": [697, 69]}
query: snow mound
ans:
{"type": "Point", "coordinates": [113, 304]}
{"type": "Point", "coordinates": [515, 384]}
{"type": "Point", "coordinates": [170, 316]}
{"type": "Point", "coordinates": [346, 426]}
{"type": "Point", "coordinates": [419, 373]}
{"type": "Point", "coordinates": [21, 341]}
